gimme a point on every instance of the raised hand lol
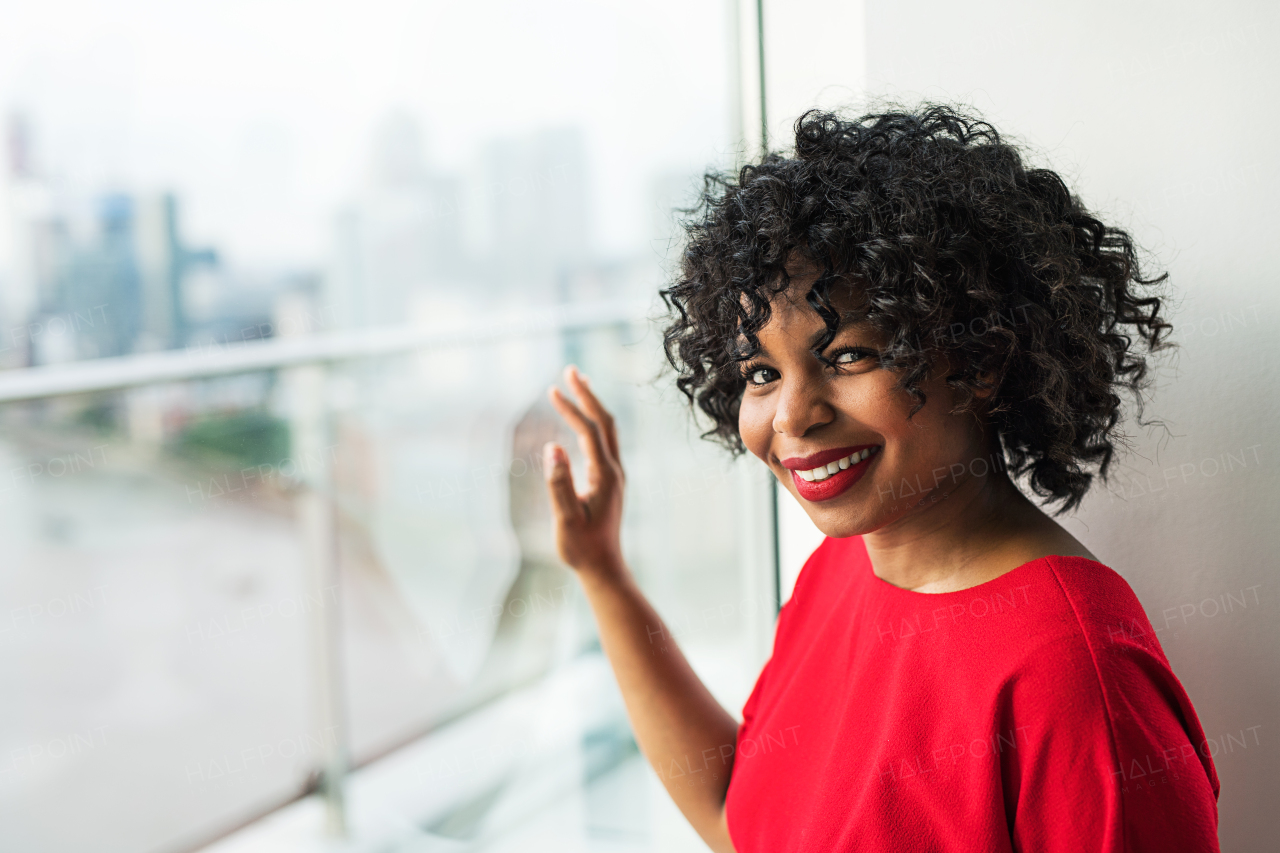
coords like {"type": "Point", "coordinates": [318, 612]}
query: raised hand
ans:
{"type": "Point", "coordinates": [671, 710]}
{"type": "Point", "coordinates": [586, 526]}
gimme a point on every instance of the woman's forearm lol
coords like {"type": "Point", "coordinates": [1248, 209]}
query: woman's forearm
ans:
{"type": "Point", "coordinates": [683, 731]}
{"type": "Point", "coordinates": [687, 737]}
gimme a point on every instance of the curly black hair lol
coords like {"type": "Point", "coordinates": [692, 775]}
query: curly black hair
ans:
{"type": "Point", "coordinates": [957, 249]}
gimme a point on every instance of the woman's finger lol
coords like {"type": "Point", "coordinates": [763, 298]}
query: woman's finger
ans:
{"type": "Point", "coordinates": [582, 388]}
{"type": "Point", "coordinates": [588, 433]}
{"type": "Point", "coordinates": [564, 500]}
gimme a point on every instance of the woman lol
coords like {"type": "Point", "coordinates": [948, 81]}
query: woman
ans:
{"type": "Point", "coordinates": [900, 320]}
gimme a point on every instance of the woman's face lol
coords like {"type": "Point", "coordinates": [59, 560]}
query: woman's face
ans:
{"type": "Point", "coordinates": [800, 416]}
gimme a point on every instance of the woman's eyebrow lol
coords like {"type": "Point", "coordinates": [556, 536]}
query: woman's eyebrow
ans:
{"type": "Point", "coordinates": [817, 337]}
{"type": "Point", "coordinates": [846, 320]}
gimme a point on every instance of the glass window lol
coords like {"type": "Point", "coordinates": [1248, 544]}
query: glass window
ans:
{"type": "Point", "coordinates": [187, 186]}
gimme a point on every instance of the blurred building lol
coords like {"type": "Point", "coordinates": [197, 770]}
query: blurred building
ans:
{"type": "Point", "coordinates": [166, 264]}
{"type": "Point", "coordinates": [533, 199]}
{"type": "Point", "coordinates": [398, 240]}
{"type": "Point", "coordinates": [92, 274]}
{"type": "Point", "coordinates": [419, 243]}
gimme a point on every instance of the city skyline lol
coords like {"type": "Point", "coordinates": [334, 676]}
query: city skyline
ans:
{"type": "Point", "coordinates": [415, 239]}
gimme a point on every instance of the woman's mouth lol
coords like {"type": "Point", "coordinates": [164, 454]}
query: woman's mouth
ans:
{"type": "Point", "coordinates": [825, 475]}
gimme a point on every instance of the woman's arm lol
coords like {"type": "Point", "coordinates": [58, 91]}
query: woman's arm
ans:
{"type": "Point", "coordinates": [683, 731]}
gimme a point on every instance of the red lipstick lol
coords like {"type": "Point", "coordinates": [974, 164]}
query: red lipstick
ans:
{"type": "Point", "coordinates": [834, 484]}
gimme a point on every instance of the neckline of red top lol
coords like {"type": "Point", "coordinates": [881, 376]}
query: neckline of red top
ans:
{"type": "Point", "coordinates": [996, 582]}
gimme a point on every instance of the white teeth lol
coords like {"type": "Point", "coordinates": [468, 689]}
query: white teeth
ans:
{"type": "Point", "coordinates": [819, 474]}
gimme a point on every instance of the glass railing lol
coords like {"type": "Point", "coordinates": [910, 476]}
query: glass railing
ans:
{"type": "Point", "coordinates": [312, 580]}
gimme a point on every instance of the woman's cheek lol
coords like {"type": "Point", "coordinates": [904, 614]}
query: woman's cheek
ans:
{"type": "Point", "coordinates": [749, 426]}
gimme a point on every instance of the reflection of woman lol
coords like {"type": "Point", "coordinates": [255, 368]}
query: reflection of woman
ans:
{"type": "Point", "coordinates": [899, 320]}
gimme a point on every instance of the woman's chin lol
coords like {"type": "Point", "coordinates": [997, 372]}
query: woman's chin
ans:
{"type": "Point", "coordinates": [838, 523]}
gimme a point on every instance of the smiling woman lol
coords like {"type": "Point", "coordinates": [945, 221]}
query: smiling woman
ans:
{"type": "Point", "coordinates": [902, 321]}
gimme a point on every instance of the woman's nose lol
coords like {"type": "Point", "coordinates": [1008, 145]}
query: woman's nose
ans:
{"type": "Point", "coordinates": [801, 407]}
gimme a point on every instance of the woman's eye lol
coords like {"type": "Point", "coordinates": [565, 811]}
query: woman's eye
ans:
{"type": "Point", "coordinates": [852, 356]}
{"type": "Point", "coordinates": [760, 376]}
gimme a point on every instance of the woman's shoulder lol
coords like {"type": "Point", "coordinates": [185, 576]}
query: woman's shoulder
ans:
{"type": "Point", "coordinates": [1101, 602]}
{"type": "Point", "coordinates": [1084, 626]}
{"type": "Point", "coordinates": [841, 554]}
{"type": "Point", "coordinates": [831, 570]}
{"type": "Point", "coordinates": [1097, 660]}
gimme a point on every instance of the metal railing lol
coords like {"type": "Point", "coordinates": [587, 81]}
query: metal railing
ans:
{"type": "Point", "coordinates": [131, 371]}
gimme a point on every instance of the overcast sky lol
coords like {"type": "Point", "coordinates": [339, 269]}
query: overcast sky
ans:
{"type": "Point", "coordinates": [259, 112]}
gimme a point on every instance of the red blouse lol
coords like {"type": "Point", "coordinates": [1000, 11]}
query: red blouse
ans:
{"type": "Point", "coordinates": [1035, 712]}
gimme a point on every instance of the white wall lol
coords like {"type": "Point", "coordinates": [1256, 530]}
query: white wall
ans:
{"type": "Point", "coordinates": [1164, 117]}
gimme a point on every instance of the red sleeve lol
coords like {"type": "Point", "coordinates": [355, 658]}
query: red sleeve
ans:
{"type": "Point", "coordinates": [1111, 756]}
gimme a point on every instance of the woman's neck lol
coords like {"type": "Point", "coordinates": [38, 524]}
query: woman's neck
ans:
{"type": "Point", "coordinates": [974, 532]}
